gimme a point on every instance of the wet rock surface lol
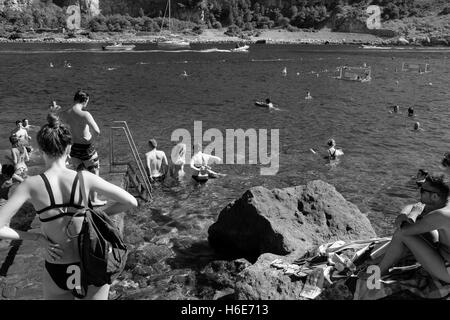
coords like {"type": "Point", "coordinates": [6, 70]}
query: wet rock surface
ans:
{"type": "Point", "coordinates": [170, 257]}
{"type": "Point", "coordinates": [282, 221]}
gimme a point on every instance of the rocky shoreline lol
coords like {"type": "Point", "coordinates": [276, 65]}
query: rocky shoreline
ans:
{"type": "Point", "coordinates": [209, 36]}
{"type": "Point", "coordinates": [234, 262]}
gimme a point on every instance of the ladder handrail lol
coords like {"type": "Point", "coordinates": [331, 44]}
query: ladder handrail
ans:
{"type": "Point", "coordinates": [132, 140]}
{"type": "Point", "coordinates": [139, 165]}
{"type": "Point", "coordinates": [134, 151]}
{"type": "Point", "coordinates": [138, 162]}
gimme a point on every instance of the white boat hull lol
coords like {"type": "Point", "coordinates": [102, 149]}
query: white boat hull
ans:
{"type": "Point", "coordinates": [241, 49]}
{"type": "Point", "coordinates": [119, 48]}
{"type": "Point", "coordinates": [174, 44]}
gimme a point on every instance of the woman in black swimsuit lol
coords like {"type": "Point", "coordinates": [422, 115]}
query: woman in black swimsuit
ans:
{"type": "Point", "coordinates": [55, 194]}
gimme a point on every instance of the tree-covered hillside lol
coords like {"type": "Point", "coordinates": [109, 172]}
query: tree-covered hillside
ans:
{"type": "Point", "coordinates": [237, 15]}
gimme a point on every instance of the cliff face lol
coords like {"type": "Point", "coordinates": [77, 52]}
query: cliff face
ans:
{"type": "Point", "coordinates": [91, 6]}
{"type": "Point", "coordinates": [15, 4]}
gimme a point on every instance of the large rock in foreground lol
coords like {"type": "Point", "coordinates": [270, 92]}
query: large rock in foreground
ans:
{"type": "Point", "coordinates": [281, 221]}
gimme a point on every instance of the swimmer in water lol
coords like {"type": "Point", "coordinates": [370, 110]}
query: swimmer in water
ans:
{"type": "Point", "coordinates": [267, 104]}
{"type": "Point", "coordinates": [51, 65]}
{"type": "Point", "coordinates": [332, 150]}
{"type": "Point", "coordinates": [184, 74]}
{"type": "Point", "coordinates": [178, 158]}
{"type": "Point", "coordinates": [395, 109]}
{"type": "Point", "coordinates": [284, 72]}
{"type": "Point", "coordinates": [410, 112]}
{"type": "Point", "coordinates": [199, 162]}
{"type": "Point", "coordinates": [308, 95]}
{"type": "Point", "coordinates": [417, 127]}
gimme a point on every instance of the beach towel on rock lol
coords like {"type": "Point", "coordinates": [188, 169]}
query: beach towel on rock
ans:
{"type": "Point", "coordinates": [413, 279]}
{"type": "Point", "coordinates": [332, 267]}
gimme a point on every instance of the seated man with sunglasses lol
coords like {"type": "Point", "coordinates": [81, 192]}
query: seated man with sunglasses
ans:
{"type": "Point", "coordinates": [434, 256]}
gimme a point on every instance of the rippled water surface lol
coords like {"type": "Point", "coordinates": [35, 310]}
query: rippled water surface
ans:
{"type": "Point", "coordinates": [382, 152]}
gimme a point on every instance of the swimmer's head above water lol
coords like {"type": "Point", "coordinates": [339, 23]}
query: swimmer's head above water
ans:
{"type": "Point", "coordinates": [267, 100]}
{"type": "Point", "coordinates": [331, 143]}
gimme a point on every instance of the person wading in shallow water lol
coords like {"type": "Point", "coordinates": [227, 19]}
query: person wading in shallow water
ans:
{"type": "Point", "coordinates": [157, 164]}
{"type": "Point", "coordinates": [83, 154]}
{"type": "Point", "coordinates": [56, 196]}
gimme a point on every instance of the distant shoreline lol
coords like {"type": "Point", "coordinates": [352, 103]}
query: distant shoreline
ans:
{"type": "Point", "coordinates": [272, 36]}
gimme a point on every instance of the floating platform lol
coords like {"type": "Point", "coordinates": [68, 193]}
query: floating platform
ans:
{"type": "Point", "coordinates": [416, 67]}
{"type": "Point", "coordinates": [359, 74]}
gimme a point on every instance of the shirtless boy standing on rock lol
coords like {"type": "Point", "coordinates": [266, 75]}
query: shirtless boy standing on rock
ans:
{"type": "Point", "coordinates": [83, 154]}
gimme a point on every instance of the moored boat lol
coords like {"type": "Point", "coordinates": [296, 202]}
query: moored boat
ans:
{"type": "Point", "coordinates": [241, 49]}
{"type": "Point", "coordinates": [119, 47]}
{"type": "Point", "coordinates": [173, 43]}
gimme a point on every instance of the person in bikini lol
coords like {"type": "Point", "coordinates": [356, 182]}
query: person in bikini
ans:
{"type": "Point", "coordinates": [332, 150]}
{"type": "Point", "coordinates": [83, 154]}
{"type": "Point", "coordinates": [155, 160]}
{"type": "Point", "coordinates": [424, 231]}
{"type": "Point", "coordinates": [56, 196]}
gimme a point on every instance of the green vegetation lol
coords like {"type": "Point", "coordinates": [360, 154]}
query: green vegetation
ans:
{"type": "Point", "coordinates": [236, 15]}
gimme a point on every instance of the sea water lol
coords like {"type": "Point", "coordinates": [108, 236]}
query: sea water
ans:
{"type": "Point", "coordinates": [382, 152]}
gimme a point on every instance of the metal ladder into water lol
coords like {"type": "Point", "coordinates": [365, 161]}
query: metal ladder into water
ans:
{"type": "Point", "coordinates": [143, 185]}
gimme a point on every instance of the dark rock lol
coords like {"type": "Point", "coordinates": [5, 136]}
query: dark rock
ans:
{"type": "Point", "coordinates": [439, 41]}
{"type": "Point", "coordinates": [261, 281]}
{"type": "Point", "coordinates": [282, 221]}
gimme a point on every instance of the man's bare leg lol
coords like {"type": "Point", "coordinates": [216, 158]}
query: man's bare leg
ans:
{"type": "Point", "coordinates": [423, 251]}
{"type": "Point", "coordinates": [395, 251]}
{"type": "Point", "coordinates": [427, 256]}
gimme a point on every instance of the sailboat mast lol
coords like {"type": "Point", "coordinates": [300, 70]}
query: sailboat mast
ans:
{"type": "Point", "coordinates": [169, 17]}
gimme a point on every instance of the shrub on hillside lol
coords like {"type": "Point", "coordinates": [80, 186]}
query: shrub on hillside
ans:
{"type": "Point", "coordinates": [198, 29]}
{"type": "Point", "coordinates": [98, 24]}
{"type": "Point", "coordinates": [117, 23]}
{"type": "Point", "coordinates": [233, 31]}
{"type": "Point", "coordinates": [291, 28]}
{"type": "Point", "coordinates": [284, 22]}
{"type": "Point", "coordinates": [445, 11]}
{"type": "Point", "coordinates": [217, 25]}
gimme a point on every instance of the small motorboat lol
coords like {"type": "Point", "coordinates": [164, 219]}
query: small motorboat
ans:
{"type": "Point", "coordinates": [119, 47]}
{"type": "Point", "coordinates": [241, 49]}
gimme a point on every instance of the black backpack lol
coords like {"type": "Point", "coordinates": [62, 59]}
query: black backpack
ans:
{"type": "Point", "coordinates": [103, 253]}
